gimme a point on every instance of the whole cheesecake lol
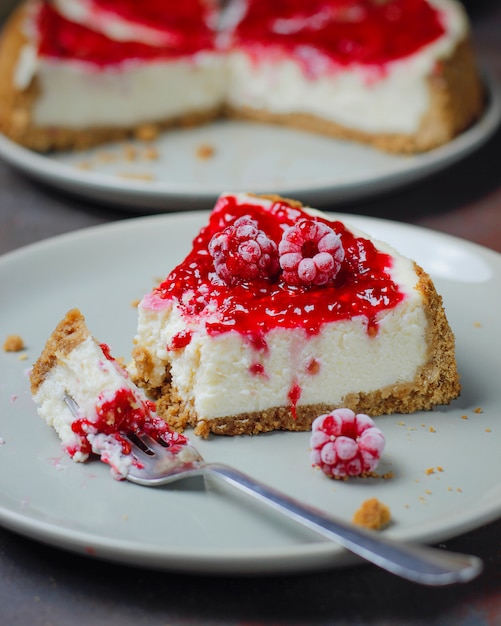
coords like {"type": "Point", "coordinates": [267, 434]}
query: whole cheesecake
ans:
{"type": "Point", "coordinates": [397, 74]}
{"type": "Point", "coordinates": [279, 314]}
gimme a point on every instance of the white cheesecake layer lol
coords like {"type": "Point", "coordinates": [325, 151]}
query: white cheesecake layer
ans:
{"type": "Point", "coordinates": [128, 95]}
{"type": "Point", "coordinates": [215, 375]}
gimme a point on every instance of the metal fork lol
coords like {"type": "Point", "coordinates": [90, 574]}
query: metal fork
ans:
{"type": "Point", "coordinates": [157, 465]}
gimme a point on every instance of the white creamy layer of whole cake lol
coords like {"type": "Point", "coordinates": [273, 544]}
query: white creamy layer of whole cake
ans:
{"type": "Point", "coordinates": [390, 361]}
{"type": "Point", "coordinates": [117, 98]}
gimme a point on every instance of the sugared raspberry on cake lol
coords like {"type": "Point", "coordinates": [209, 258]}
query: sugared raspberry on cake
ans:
{"type": "Point", "coordinates": [248, 351]}
{"type": "Point", "coordinates": [108, 404]}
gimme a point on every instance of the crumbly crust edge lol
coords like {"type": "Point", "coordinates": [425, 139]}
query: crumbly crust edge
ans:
{"type": "Point", "coordinates": [68, 334]}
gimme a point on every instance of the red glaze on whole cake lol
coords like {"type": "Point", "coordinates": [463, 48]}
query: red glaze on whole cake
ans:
{"type": "Point", "coordinates": [341, 33]}
{"type": "Point", "coordinates": [185, 28]}
{"type": "Point", "coordinates": [157, 22]}
{"type": "Point", "coordinates": [267, 324]}
{"type": "Point", "coordinates": [254, 306]}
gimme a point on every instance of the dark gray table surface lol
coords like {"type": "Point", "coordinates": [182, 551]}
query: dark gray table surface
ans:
{"type": "Point", "coordinates": [41, 585]}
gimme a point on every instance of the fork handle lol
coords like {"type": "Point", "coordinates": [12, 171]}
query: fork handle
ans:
{"type": "Point", "coordinates": [421, 564]}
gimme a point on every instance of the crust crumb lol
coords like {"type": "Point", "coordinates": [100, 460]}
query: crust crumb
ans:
{"type": "Point", "coordinates": [205, 151]}
{"type": "Point", "coordinates": [372, 514]}
{"type": "Point", "coordinates": [129, 152]}
{"type": "Point", "coordinates": [151, 153]}
{"type": "Point", "coordinates": [147, 132]}
{"type": "Point", "coordinates": [133, 176]}
{"type": "Point", "coordinates": [13, 343]}
{"type": "Point", "coordinates": [202, 429]}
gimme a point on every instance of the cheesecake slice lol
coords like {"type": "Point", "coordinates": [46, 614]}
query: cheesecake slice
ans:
{"type": "Point", "coordinates": [279, 314]}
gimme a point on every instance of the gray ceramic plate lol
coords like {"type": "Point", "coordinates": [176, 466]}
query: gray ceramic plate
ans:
{"type": "Point", "coordinates": [79, 507]}
{"type": "Point", "coordinates": [246, 156]}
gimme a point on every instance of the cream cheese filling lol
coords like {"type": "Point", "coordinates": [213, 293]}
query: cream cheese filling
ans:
{"type": "Point", "coordinates": [77, 96]}
{"type": "Point", "coordinates": [216, 377]}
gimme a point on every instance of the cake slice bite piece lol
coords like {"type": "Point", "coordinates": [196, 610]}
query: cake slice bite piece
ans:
{"type": "Point", "coordinates": [74, 370]}
{"type": "Point", "coordinates": [279, 314]}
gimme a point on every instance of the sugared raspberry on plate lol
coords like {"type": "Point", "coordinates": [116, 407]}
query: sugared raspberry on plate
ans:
{"type": "Point", "coordinates": [310, 253]}
{"type": "Point", "coordinates": [243, 252]}
{"type": "Point", "coordinates": [345, 444]}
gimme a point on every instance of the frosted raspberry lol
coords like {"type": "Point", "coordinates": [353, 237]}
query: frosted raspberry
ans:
{"type": "Point", "coordinates": [243, 252]}
{"type": "Point", "coordinates": [344, 444]}
{"type": "Point", "coordinates": [310, 253]}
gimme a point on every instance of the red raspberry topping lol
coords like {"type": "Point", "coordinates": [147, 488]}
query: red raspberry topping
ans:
{"type": "Point", "coordinates": [243, 252]}
{"type": "Point", "coordinates": [344, 444]}
{"type": "Point", "coordinates": [310, 253]}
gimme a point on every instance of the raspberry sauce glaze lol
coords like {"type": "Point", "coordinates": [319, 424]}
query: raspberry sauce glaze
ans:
{"type": "Point", "coordinates": [363, 286]}
{"type": "Point", "coordinates": [63, 39]}
{"type": "Point", "coordinates": [340, 32]}
{"type": "Point", "coordinates": [320, 34]}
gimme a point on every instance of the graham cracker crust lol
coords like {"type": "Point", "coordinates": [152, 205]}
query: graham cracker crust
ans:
{"type": "Point", "coordinates": [68, 334]}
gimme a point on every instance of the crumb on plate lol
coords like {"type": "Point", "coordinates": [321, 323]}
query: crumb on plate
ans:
{"type": "Point", "coordinates": [151, 154]}
{"type": "Point", "coordinates": [13, 343]}
{"type": "Point", "coordinates": [372, 514]}
{"type": "Point", "coordinates": [147, 132]}
{"type": "Point", "coordinates": [134, 176]}
{"type": "Point", "coordinates": [205, 151]}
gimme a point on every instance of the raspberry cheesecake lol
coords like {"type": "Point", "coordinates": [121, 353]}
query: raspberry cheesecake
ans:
{"type": "Point", "coordinates": [279, 314]}
{"type": "Point", "coordinates": [397, 74]}
{"type": "Point", "coordinates": [89, 399]}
